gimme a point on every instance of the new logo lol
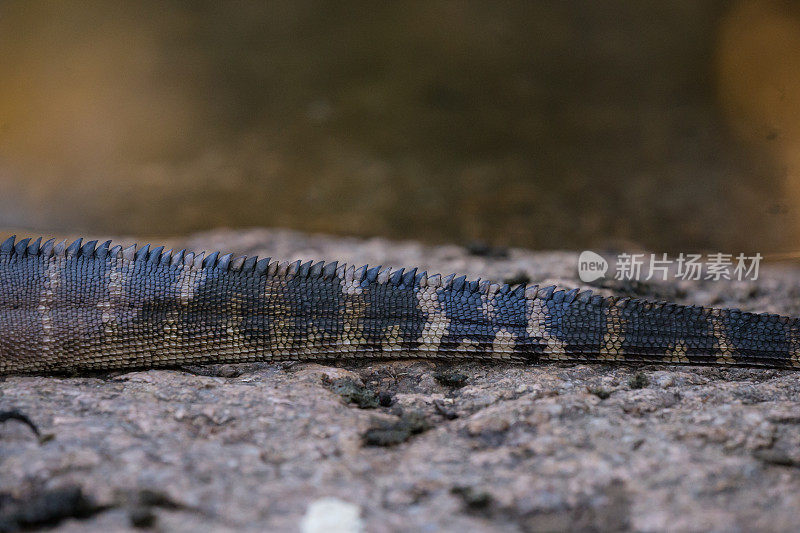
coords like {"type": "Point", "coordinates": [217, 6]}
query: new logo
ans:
{"type": "Point", "coordinates": [591, 266]}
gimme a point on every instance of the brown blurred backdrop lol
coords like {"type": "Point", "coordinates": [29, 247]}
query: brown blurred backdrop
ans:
{"type": "Point", "coordinates": [673, 125]}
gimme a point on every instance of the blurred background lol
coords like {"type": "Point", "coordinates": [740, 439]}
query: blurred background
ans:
{"type": "Point", "coordinates": [557, 124]}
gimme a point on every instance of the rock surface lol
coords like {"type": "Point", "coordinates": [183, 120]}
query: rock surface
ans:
{"type": "Point", "coordinates": [414, 445]}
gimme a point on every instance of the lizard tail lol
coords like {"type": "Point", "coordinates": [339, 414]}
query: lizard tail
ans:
{"type": "Point", "coordinates": [582, 327]}
{"type": "Point", "coordinates": [83, 306]}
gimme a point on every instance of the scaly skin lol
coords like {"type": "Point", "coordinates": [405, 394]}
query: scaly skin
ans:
{"type": "Point", "coordinates": [83, 307]}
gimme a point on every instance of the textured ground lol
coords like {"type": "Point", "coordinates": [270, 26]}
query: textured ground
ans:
{"type": "Point", "coordinates": [414, 445]}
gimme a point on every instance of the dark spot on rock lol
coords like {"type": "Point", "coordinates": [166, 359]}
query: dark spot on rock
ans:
{"type": "Point", "coordinates": [608, 509]}
{"type": "Point", "coordinates": [638, 381]}
{"type": "Point", "coordinates": [142, 517]}
{"type": "Point", "coordinates": [600, 392]}
{"type": "Point", "coordinates": [784, 418]}
{"type": "Point", "coordinates": [385, 433]}
{"type": "Point", "coordinates": [482, 249]}
{"type": "Point", "coordinates": [45, 508]}
{"type": "Point", "coordinates": [386, 436]}
{"type": "Point", "coordinates": [352, 392]}
{"type": "Point", "coordinates": [491, 438]}
{"type": "Point", "coordinates": [142, 503]}
{"type": "Point", "coordinates": [156, 498]}
{"type": "Point", "coordinates": [451, 378]}
{"type": "Point", "coordinates": [385, 398]}
{"type": "Point", "coordinates": [775, 457]}
{"type": "Point", "coordinates": [518, 279]}
{"type": "Point", "coordinates": [444, 411]}
{"type": "Point", "coordinates": [474, 499]}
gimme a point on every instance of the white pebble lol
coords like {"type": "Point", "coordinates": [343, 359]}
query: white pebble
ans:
{"type": "Point", "coordinates": [332, 515]}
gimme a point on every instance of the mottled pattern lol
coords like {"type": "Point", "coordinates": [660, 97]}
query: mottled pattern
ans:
{"type": "Point", "coordinates": [82, 307]}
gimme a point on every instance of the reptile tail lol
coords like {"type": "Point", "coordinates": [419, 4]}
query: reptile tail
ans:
{"type": "Point", "coordinates": [579, 326]}
{"type": "Point", "coordinates": [77, 307]}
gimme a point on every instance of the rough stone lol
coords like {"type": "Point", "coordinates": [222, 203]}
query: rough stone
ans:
{"type": "Point", "coordinates": [513, 448]}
